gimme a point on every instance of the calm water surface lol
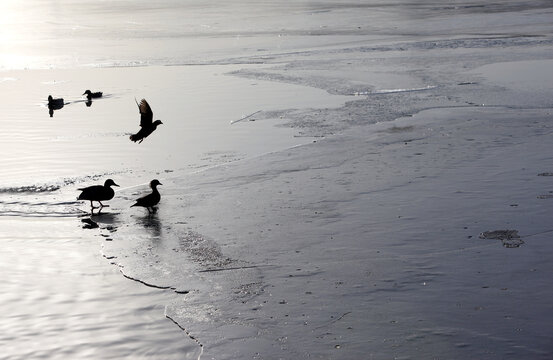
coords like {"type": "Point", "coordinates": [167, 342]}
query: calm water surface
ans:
{"type": "Point", "coordinates": [62, 299]}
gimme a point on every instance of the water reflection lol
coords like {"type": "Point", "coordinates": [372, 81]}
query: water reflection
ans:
{"type": "Point", "coordinates": [58, 293]}
{"type": "Point", "coordinates": [89, 224]}
{"type": "Point", "coordinates": [108, 221]}
{"type": "Point", "coordinates": [151, 223]}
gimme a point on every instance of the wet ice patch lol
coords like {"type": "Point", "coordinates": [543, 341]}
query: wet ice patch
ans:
{"type": "Point", "coordinates": [202, 249]}
{"type": "Point", "coordinates": [392, 91]}
{"type": "Point", "coordinates": [509, 238]}
{"type": "Point", "coordinates": [399, 129]}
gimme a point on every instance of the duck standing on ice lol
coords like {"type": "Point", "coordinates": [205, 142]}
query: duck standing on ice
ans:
{"type": "Point", "coordinates": [98, 193]}
{"type": "Point", "coordinates": [150, 200]}
{"type": "Point", "coordinates": [146, 125]}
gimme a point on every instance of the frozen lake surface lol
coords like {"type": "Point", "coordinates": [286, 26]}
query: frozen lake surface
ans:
{"type": "Point", "coordinates": [341, 180]}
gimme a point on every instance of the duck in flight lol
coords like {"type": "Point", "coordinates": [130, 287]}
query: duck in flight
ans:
{"type": "Point", "coordinates": [146, 125]}
{"type": "Point", "coordinates": [92, 95]}
{"type": "Point", "coordinates": [98, 193]}
{"type": "Point", "coordinates": [150, 200]}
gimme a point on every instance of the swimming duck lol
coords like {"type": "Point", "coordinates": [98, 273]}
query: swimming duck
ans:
{"type": "Point", "coordinates": [54, 104]}
{"type": "Point", "coordinates": [150, 200]}
{"type": "Point", "coordinates": [98, 193]}
{"type": "Point", "coordinates": [92, 95]}
{"type": "Point", "coordinates": [146, 125]}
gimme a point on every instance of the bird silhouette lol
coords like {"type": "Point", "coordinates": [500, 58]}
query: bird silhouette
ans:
{"type": "Point", "coordinates": [92, 95]}
{"type": "Point", "coordinates": [146, 125]}
{"type": "Point", "coordinates": [98, 193]}
{"type": "Point", "coordinates": [150, 200]}
{"type": "Point", "coordinates": [54, 104]}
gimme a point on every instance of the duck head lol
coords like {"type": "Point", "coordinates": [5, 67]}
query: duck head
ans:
{"type": "Point", "coordinates": [109, 183]}
{"type": "Point", "coordinates": [156, 123]}
{"type": "Point", "coordinates": [88, 92]}
{"type": "Point", "coordinates": [155, 183]}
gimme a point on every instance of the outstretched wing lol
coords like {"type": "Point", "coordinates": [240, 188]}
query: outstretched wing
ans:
{"type": "Point", "coordinates": [146, 114]}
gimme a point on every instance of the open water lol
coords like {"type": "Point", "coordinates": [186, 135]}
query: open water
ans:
{"type": "Point", "coordinates": [61, 297]}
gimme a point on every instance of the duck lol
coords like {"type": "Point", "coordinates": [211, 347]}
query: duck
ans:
{"type": "Point", "coordinates": [146, 125]}
{"type": "Point", "coordinates": [92, 95]}
{"type": "Point", "coordinates": [98, 193]}
{"type": "Point", "coordinates": [150, 200]}
{"type": "Point", "coordinates": [55, 103]}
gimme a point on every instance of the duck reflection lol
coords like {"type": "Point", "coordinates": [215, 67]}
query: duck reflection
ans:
{"type": "Point", "coordinates": [151, 223]}
{"type": "Point", "coordinates": [89, 224]}
{"type": "Point", "coordinates": [107, 221]}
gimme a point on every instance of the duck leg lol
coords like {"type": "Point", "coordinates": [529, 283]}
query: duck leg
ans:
{"type": "Point", "coordinates": [102, 205]}
{"type": "Point", "coordinates": [92, 207]}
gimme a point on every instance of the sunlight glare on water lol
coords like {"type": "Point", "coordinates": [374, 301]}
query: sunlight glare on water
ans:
{"type": "Point", "coordinates": [197, 105]}
{"type": "Point", "coordinates": [61, 297]}
{"type": "Point", "coordinates": [290, 224]}
{"type": "Point", "coordinates": [62, 300]}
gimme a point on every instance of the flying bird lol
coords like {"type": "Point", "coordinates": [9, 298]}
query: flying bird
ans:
{"type": "Point", "coordinates": [146, 125]}
{"type": "Point", "coordinates": [98, 193]}
{"type": "Point", "coordinates": [150, 200]}
{"type": "Point", "coordinates": [92, 95]}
